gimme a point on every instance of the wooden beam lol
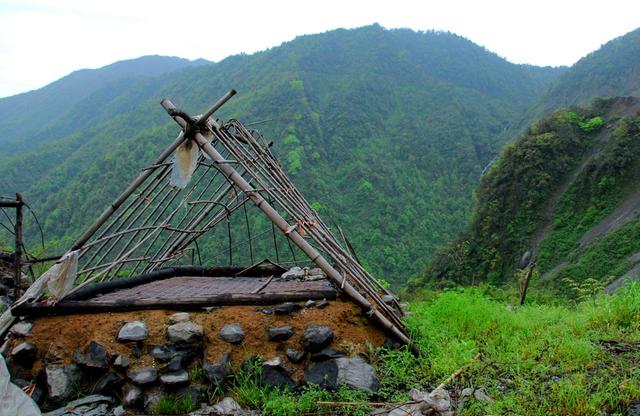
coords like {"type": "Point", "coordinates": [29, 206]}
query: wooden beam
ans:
{"type": "Point", "coordinates": [17, 257]}
{"type": "Point", "coordinates": [181, 303]}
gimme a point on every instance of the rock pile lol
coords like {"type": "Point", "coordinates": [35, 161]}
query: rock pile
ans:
{"type": "Point", "coordinates": [137, 370]}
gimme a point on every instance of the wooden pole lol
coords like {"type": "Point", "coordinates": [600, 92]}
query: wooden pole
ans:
{"type": "Point", "coordinates": [18, 253]}
{"type": "Point", "coordinates": [290, 232]}
{"type": "Point", "coordinates": [523, 295]}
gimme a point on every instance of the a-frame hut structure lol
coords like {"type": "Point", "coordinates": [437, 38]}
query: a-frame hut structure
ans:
{"type": "Point", "coordinates": [136, 254]}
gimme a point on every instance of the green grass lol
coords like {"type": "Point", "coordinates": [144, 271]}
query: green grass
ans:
{"type": "Point", "coordinates": [539, 359]}
{"type": "Point", "coordinates": [246, 389]}
{"type": "Point", "coordinates": [173, 405]}
{"type": "Point", "coordinates": [552, 355]}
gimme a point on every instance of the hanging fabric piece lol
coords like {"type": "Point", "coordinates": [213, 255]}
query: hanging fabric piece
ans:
{"type": "Point", "coordinates": [186, 157]}
{"type": "Point", "coordinates": [185, 161]}
{"type": "Point", "coordinates": [58, 280]}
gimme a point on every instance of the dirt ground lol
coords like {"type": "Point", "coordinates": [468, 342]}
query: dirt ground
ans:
{"type": "Point", "coordinates": [57, 337]}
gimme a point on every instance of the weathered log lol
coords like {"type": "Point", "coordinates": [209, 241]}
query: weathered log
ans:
{"type": "Point", "coordinates": [181, 303]}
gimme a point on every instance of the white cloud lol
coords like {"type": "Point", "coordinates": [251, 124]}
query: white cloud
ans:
{"type": "Point", "coordinates": [43, 40]}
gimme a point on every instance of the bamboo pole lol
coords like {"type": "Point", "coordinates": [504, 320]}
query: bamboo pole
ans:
{"type": "Point", "coordinates": [141, 178]}
{"type": "Point", "coordinates": [293, 235]}
{"type": "Point", "coordinates": [270, 172]}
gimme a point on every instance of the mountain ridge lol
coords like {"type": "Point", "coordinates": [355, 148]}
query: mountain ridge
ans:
{"type": "Point", "coordinates": [358, 117]}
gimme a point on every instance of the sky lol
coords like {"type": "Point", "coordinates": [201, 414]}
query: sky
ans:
{"type": "Point", "coordinates": [43, 40]}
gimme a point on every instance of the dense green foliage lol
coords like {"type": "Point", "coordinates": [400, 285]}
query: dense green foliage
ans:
{"type": "Point", "coordinates": [545, 193]}
{"type": "Point", "coordinates": [386, 131]}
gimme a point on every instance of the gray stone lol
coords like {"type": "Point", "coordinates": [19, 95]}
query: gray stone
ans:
{"type": "Point", "coordinates": [294, 356]}
{"type": "Point", "coordinates": [131, 396]}
{"type": "Point", "coordinates": [227, 406]}
{"type": "Point", "coordinates": [276, 376]}
{"type": "Point", "coordinates": [282, 333]}
{"type": "Point", "coordinates": [121, 362]}
{"type": "Point", "coordinates": [143, 376]}
{"type": "Point", "coordinates": [62, 381]}
{"type": "Point", "coordinates": [175, 364]}
{"type": "Point", "coordinates": [324, 374]}
{"type": "Point", "coordinates": [317, 337]}
{"type": "Point", "coordinates": [466, 392]}
{"type": "Point", "coordinates": [93, 405]}
{"type": "Point", "coordinates": [286, 308]}
{"type": "Point", "coordinates": [310, 304]}
{"type": "Point", "coordinates": [353, 372]}
{"type": "Point", "coordinates": [185, 331]}
{"type": "Point", "coordinates": [437, 402]}
{"type": "Point", "coordinates": [108, 383]}
{"type": "Point", "coordinates": [24, 354]}
{"type": "Point", "coordinates": [161, 353]}
{"type": "Point", "coordinates": [118, 411]}
{"type": "Point", "coordinates": [327, 354]}
{"type": "Point", "coordinates": [440, 402]}
{"type": "Point", "coordinates": [176, 378]}
{"type": "Point", "coordinates": [21, 329]}
{"type": "Point", "coordinates": [293, 273]}
{"type": "Point", "coordinates": [96, 358]}
{"type": "Point", "coordinates": [358, 374]}
{"type": "Point", "coordinates": [481, 396]}
{"type": "Point", "coordinates": [322, 304]}
{"type": "Point", "coordinates": [216, 373]}
{"type": "Point", "coordinates": [232, 334]}
{"type": "Point", "coordinates": [179, 317]}
{"type": "Point", "coordinates": [133, 331]}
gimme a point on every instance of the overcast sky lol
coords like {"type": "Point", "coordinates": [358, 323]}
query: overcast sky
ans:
{"type": "Point", "coordinates": [43, 40]}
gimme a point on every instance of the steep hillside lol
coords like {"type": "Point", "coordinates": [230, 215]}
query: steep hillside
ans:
{"type": "Point", "coordinates": [566, 192]}
{"type": "Point", "coordinates": [386, 131]}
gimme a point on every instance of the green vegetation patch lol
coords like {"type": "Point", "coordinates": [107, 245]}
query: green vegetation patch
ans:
{"type": "Point", "coordinates": [534, 360]}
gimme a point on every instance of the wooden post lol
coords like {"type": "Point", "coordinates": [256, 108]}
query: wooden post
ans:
{"type": "Point", "coordinates": [17, 256]}
{"type": "Point", "coordinates": [523, 295]}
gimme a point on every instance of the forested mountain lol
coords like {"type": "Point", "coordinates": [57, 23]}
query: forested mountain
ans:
{"type": "Point", "coordinates": [386, 131]}
{"type": "Point", "coordinates": [566, 192]}
{"type": "Point", "coordinates": [27, 117]}
{"type": "Point", "coordinates": [611, 71]}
